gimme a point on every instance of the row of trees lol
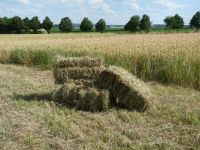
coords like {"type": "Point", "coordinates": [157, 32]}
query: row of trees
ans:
{"type": "Point", "coordinates": [18, 25]}
{"type": "Point", "coordinates": [86, 25]}
{"type": "Point", "coordinates": [176, 22]}
{"type": "Point", "coordinates": [136, 24]}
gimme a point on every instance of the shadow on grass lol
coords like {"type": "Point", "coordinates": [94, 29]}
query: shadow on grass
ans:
{"type": "Point", "coordinates": [48, 97]}
{"type": "Point", "coordinates": [35, 97]}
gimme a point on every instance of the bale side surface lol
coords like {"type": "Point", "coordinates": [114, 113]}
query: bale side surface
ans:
{"type": "Point", "coordinates": [129, 91]}
{"type": "Point", "coordinates": [64, 75]}
{"type": "Point", "coordinates": [83, 98]}
{"type": "Point", "coordinates": [79, 62]}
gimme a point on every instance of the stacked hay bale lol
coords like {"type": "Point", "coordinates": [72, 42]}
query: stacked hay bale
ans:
{"type": "Point", "coordinates": [77, 68]}
{"type": "Point", "coordinates": [76, 77]}
{"type": "Point", "coordinates": [127, 90]}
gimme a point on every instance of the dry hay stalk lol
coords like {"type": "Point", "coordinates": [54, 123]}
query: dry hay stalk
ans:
{"type": "Point", "coordinates": [129, 91]}
{"type": "Point", "coordinates": [64, 75]}
{"type": "Point", "coordinates": [81, 97]}
{"type": "Point", "coordinates": [79, 62]}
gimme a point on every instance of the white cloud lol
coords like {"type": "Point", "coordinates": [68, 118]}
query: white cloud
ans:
{"type": "Point", "coordinates": [101, 4]}
{"type": "Point", "coordinates": [16, 11]}
{"type": "Point", "coordinates": [169, 4]}
{"type": "Point", "coordinates": [133, 4]}
{"type": "Point", "coordinates": [23, 1]}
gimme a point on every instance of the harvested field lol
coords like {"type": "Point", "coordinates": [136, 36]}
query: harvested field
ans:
{"type": "Point", "coordinates": [29, 119]}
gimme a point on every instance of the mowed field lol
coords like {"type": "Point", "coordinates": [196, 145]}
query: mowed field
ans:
{"type": "Point", "coordinates": [29, 119]}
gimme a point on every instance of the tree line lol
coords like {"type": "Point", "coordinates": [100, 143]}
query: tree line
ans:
{"type": "Point", "coordinates": [26, 25]}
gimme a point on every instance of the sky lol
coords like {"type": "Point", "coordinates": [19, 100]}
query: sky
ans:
{"type": "Point", "coordinates": [115, 12]}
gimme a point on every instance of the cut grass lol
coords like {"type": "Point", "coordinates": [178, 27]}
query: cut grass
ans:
{"type": "Point", "coordinates": [31, 120]}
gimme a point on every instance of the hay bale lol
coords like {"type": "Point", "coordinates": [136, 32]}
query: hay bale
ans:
{"type": "Point", "coordinates": [94, 100]}
{"type": "Point", "coordinates": [129, 91]}
{"type": "Point", "coordinates": [64, 75]}
{"type": "Point", "coordinates": [67, 94]}
{"type": "Point", "coordinates": [82, 97]}
{"type": "Point", "coordinates": [79, 62]}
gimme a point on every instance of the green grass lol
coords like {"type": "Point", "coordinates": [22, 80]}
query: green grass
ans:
{"type": "Point", "coordinates": [31, 120]}
{"type": "Point", "coordinates": [164, 69]}
{"type": "Point", "coordinates": [122, 31]}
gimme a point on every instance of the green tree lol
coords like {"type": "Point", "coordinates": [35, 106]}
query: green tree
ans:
{"type": "Point", "coordinates": [145, 23]}
{"type": "Point", "coordinates": [26, 24]}
{"type": "Point", "coordinates": [65, 24]}
{"type": "Point", "coordinates": [4, 25]}
{"type": "Point", "coordinates": [86, 25]}
{"type": "Point", "coordinates": [101, 25]}
{"type": "Point", "coordinates": [35, 24]}
{"type": "Point", "coordinates": [195, 21]}
{"type": "Point", "coordinates": [175, 22]}
{"type": "Point", "coordinates": [16, 24]}
{"type": "Point", "coordinates": [169, 22]}
{"type": "Point", "coordinates": [47, 24]}
{"type": "Point", "coordinates": [133, 25]}
{"type": "Point", "coordinates": [178, 22]}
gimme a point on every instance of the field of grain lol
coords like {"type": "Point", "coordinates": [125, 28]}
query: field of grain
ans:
{"type": "Point", "coordinates": [166, 58]}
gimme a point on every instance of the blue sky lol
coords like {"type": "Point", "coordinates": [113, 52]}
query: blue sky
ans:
{"type": "Point", "coordinates": [113, 11]}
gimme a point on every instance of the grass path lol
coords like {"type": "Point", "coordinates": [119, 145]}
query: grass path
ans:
{"type": "Point", "coordinates": [30, 120]}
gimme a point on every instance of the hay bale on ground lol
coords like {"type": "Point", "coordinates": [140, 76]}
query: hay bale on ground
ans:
{"type": "Point", "coordinates": [79, 62]}
{"type": "Point", "coordinates": [94, 100]}
{"type": "Point", "coordinates": [67, 94]}
{"type": "Point", "coordinates": [64, 75]}
{"type": "Point", "coordinates": [129, 91]}
{"type": "Point", "coordinates": [82, 97]}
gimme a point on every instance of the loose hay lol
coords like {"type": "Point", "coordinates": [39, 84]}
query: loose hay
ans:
{"type": "Point", "coordinates": [129, 91]}
{"type": "Point", "coordinates": [83, 98]}
{"type": "Point", "coordinates": [64, 75]}
{"type": "Point", "coordinates": [79, 62]}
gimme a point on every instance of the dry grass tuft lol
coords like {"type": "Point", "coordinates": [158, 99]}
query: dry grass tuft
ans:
{"type": "Point", "coordinates": [128, 90]}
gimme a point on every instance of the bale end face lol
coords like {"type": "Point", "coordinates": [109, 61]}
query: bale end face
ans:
{"type": "Point", "coordinates": [129, 91]}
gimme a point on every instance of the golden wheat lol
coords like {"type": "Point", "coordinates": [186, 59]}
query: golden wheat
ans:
{"type": "Point", "coordinates": [169, 58]}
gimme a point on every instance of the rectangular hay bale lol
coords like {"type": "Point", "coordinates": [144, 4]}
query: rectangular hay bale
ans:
{"type": "Point", "coordinates": [94, 100]}
{"type": "Point", "coordinates": [64, 75]}
{"type": "Point", "coordinates": [129, 91]}
{"type": "Point", "coordinates": [83, 98]}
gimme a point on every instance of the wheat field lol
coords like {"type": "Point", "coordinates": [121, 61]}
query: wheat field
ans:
{"type": "Point", "coordinates": [108, 43]}
{"type": "Point", "coordinates": [166, 58]}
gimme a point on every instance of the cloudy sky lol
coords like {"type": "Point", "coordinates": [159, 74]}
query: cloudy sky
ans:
{"type": "Point", "coordinates": [113, 11]}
